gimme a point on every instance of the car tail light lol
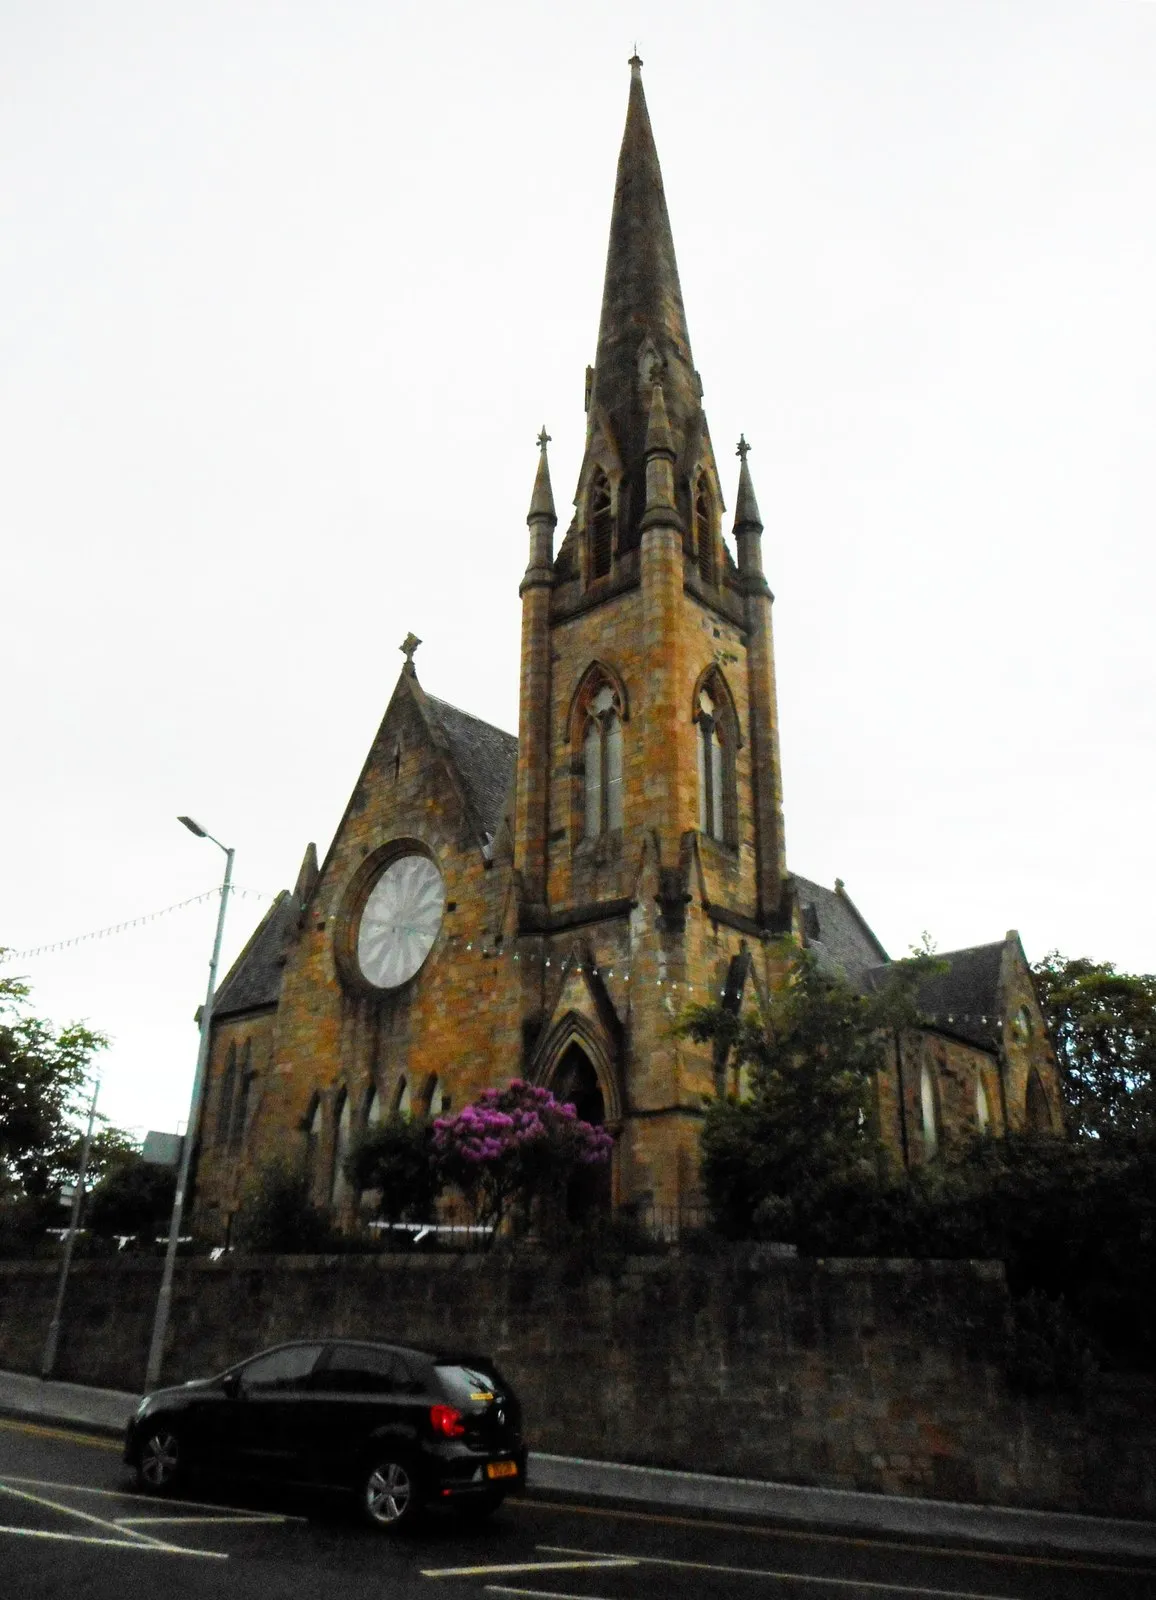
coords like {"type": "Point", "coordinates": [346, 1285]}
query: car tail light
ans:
{"type": "Point", "coordinates": [447, 1420]}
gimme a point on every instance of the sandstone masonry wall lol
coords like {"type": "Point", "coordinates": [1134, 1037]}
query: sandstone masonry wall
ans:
{"type": "Point", "coordinates": [876, 1375]}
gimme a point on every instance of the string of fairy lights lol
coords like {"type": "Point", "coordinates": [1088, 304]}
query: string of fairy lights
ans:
{"type": "Point", "coordinates": [129, 923]}
{"type": "Point", "coordinates": [620, 971]}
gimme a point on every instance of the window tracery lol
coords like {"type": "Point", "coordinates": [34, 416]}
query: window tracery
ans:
{"type": "Point", "coordinates": [602, 779]}
{"type": "Point", "coordinates": [600, 526]}
{"type": "Point", "coordinates": [717, 739]}
{"type": "Point", "coordinates": [704, 542]}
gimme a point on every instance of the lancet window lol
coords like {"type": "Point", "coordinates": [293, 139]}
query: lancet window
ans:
{"type": "Point", "coordinates": [704, 541]}
{"type": "Point", "coordinates": [602, 763]}
{"type": "Point", "coordinates": [929, 1111]}
{"type": "Point", "coordinates": [343, 1128]}
{"type": "Point", "coordinates": [600, 525]}
{"type": "Point", "coordinates": [227, 1090]}
{"type": "Point", "coordinates": [244, 1088]}
{"type": "Point", "coordinates": [717, 738]}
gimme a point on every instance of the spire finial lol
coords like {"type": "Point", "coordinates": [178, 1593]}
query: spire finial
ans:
{"type": "Point", "coordinates": [542, 499]}
{"type": "Point", "coordinates": [746, 506]}
{"type": "Point", "coordinates": [407, 648]}
{"type": "Point", "coordinates": [635, 62]}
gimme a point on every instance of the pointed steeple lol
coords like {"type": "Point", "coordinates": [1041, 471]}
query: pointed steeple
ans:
{"type": "Point", "coordinates": [746, 506]}
{"type": "Point", "coordinates": [542, 499]}
{"type": "Point", "coordinates": [642, 335]}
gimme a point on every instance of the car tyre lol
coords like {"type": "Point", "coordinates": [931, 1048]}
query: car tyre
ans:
{"type": "Point", "coordinates": [160, 1459]}
{"type": "Point", "coordinates": [389, 1493]}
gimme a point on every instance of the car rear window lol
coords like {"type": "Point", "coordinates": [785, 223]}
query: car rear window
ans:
{"type": "Point", "coordinates": [473, 1384]}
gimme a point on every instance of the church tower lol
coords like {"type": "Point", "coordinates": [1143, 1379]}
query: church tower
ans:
{"type": "Point", "coordinates": [648, 853]}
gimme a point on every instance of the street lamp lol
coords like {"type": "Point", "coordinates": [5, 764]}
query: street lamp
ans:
{"type": "Point", "coordinates": [165, 1297]}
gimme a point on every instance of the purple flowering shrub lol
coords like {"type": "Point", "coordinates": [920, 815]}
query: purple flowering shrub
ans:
{"type": "Point", "coordinates": [514, 1146]}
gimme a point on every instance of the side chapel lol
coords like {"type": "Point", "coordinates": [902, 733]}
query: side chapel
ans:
{"type": "Point", "coordinates": [545, 906]}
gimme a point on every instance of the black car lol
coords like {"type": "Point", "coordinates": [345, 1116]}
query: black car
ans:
{"type": "Point", "coordinates": [402, 1428]}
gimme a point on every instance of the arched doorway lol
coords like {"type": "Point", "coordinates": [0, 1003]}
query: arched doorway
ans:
{"type": "Point", "coordinates": [1037, 1114]}
{"type": "Point", "coordinates": [575, 1083]}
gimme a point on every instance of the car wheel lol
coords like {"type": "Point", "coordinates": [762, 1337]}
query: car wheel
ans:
{"type": "Point", "coordinates": [160, 1462]}
{"type": "Point", "coordinates": [389, 1494]}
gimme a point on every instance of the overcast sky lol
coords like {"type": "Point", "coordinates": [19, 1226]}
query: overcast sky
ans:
{"type": "Point", "coordinates": [286, 292]}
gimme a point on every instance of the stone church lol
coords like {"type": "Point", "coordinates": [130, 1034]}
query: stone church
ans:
{"type": "Point", "coordinates": [545, 906]}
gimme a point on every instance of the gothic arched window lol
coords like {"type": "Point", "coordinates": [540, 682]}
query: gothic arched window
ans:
{"type": "Point", "coordinates": [343, 1128]}
{"type": "Point", "coordinates": [600, 526]}
{"type": "Point", "coordinates": [1037, 1114]}
{"type": "Point", "coordinates": [403, 1101]}
{"type": "Point", "coordinates": [241, 1109]}
{"type": "Point", "coordinates": [704, 546]}
{"type": "Point", "coordinates": [929, 1111]}
{"type": "Point", "coordinates": [374, 1110]}
{"type": "Point", "coordinates": [313, 1127]}
{"type": "Point", "coordinates": [228, 1089]}
{"type": "Point", "coordinates": [982, 1106]}
{"type": "Point", "coordinates": [717, 738]}
{"type": "Point", "coordinates": [602, 763]}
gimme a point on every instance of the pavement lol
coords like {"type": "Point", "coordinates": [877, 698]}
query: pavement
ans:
{"type": "Point", "coordinates": [793, 1505]}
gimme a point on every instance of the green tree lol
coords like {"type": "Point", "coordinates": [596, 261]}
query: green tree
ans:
{"type": "Point", "coordinates": [807, 1129]}
{"type": "Point", "coordinates": [1103, 1026]}
{"type": "Point", "coordinates": [277, 1215]}
{"type": "Point", "coordinates": [42, 1081]}
{"type": "Point", "coordinates": [396, 1161]}
{"type": "Point", "coordinates": [133, 1197]}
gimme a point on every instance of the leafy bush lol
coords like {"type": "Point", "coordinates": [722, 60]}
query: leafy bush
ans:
{"type": "Point", "coordinates": [515, 1147]}
{"type": "Point", "coordinates": [396, 1161]}
{"type": "Point", "coordinates": [277, 1215]}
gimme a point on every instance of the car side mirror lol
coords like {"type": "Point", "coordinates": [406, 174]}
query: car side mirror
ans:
{"type": "Point", "coordinates": [231, 1383]}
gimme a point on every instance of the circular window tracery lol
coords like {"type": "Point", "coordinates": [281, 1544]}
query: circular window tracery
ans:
{"type": "Point", "coordinates": [400, 921]}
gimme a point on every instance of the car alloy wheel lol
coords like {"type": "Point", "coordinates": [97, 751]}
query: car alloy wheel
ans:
{"type": "Point", "coordinates": [159, 1462]}
{"type": "Point", "coordinates": [389, 1496]}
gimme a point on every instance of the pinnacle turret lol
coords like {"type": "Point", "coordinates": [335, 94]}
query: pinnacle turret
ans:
{"type": "Point", "coordinates": [746, 506]}
{"type": "Point", "coordinates": [542, 499]}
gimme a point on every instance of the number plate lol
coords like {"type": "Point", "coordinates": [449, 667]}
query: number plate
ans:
{"type": "Point", "coordinates": [501, 1469]}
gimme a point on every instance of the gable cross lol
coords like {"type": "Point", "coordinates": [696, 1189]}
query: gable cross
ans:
{"type": "Point", "coordinates": [407, 649]}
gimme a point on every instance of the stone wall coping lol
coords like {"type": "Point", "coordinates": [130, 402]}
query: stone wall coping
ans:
{"type": "Point", "coordinates": [747, 1257]}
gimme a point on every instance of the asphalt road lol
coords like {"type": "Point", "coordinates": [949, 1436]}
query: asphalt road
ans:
{"type": "Point", "coordinates": [71, 1527]}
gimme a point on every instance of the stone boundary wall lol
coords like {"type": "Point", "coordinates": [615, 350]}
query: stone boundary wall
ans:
{"type": "Point", "coordinates": [875, 1375]}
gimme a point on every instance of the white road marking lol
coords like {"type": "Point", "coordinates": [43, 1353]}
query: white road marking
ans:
{"type": "Point", "coordinates": [241, 1516]}
{"type": "Point", "coordinates": [540, 1594]}
{"type": "Point", "coordinates": [144, 1541]}
{"type": "Point", "coordinates": [530, 1566]}
{"type": "Point", "coordinates": [137, 1499]}
{"type": "Point", "coordinates": [151, 1549]}
{"type": "Point", "coordinates": [922, 1592]}
{"type": "Point", "coordinates": [71, 1511]}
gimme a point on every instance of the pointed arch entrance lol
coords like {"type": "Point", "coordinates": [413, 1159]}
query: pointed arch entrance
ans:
{"type": "Point", "coordinates": [575, 1082]}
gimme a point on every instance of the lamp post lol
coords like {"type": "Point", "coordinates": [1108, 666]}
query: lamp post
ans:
{"type": "Point", "coordinates": [48, 1360]}
{"type": "Point", "coordinates": [165, 1297]}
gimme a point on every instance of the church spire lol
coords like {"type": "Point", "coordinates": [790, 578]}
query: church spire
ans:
{"type": "Point", "coordinates": [642, 334]}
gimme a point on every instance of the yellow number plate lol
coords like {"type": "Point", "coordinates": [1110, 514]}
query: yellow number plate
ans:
{"type": "Point", "coordinates": [501, 1469]}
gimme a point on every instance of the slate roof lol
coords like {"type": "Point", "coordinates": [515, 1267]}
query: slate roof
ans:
{"type": "Point", "coordinates": [836, 931]}
{"type": "Point", "coordinates": [965, 1000]}
{"type": "Point", "coordinates": [254, 979]}
{"type": "Point", "coordinates": [485, 757]}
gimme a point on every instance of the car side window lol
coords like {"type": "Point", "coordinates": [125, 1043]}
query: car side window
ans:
{"type": "Point", "coordinates": [360, 1369]}
{"type": "Point", "coordinates": [281, 1371]}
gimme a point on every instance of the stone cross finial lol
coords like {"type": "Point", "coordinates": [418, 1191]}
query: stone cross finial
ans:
{"type": "Point", "coordinates": [543, 439]}
{"type": "Point", "coordinates": [744, 448]}
{"type": "Point", "coordinates": [407, 649]}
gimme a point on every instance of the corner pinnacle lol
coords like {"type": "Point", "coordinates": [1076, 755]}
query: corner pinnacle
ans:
{"type": "Point", "coordinates": [542, 499]}
{"type": "Point", "coordinates": [746, 506]}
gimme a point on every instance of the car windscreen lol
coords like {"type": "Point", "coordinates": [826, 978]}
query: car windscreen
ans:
{"type": "Point", "coordinates": [470, 1385]}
